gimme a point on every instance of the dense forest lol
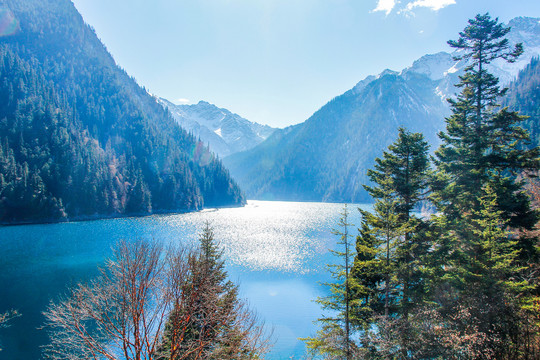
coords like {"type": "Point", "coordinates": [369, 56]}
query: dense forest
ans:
{"type": "Point", "coordinates": [79, 137]}
{"type": "Point", "coordinates": [524, 97]}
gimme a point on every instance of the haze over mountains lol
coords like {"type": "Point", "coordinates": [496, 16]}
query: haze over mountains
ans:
{"type": "Point", "coordinates": [225, 133]}
{"type": "Point", "coordinates": [326, 157]}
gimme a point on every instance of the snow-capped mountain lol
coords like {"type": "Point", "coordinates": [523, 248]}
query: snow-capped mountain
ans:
{"type": "Point", "coordinates": [434, 66]}
{"type": "Point", "coordinates": [225, 132]}
{"type": "Point", "coordinates": [327, 156]}
{"type": "Point", "coordinates": [525, 30]}
{"type": "Point", "coordinates": [443, 68]}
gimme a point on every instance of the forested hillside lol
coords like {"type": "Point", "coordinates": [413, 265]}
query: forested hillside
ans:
{"type": "Point", "coordinates": [79, 137]}
{"type": "Point", "coordinates": [326, 157]}
{"type": "Point", "coordinates": [524, 97]}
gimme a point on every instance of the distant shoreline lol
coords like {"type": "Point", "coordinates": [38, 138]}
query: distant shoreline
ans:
{"type": "Point", "coordinates": [96, 217]}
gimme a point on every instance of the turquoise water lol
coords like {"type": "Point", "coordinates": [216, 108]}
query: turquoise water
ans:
{"type": "Point", "coordinates": [276, 251]}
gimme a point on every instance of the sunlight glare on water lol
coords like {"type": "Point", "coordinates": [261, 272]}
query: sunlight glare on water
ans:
{"type": "Point", "coordinates": [277, 235]}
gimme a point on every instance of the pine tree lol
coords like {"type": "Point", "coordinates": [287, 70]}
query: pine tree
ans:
{"type": "Point", "coordinates": [400, 179]}
{"type": "Point", "coordinates": [483, 206]}
{"type": "Point", "coordinates": [367, 275]}
{"type": "Point", "coordinates": [383, 225]}
{"type": "Point", "coordinates": [211, 322]}
{"type": "Point", "coordinates": [483, 144]}
{"type": "Point", "coordinates": [399, 183]}
{"type": "Point", "coordinates": [333, 340]}
{"type": "Point", "coordinates": [485, 272]}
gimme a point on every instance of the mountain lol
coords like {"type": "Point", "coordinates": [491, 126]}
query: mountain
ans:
{"type": "Point", "coordinates": [326, 157]}
{"type": "Point", "coordinates": [224, 132]}
{"type": "Point", "coordinates": [527, 31]}
{"type": "Point", "coordinates": [79, 138]}
{"type": "Point", "coordinates": [524, 97]}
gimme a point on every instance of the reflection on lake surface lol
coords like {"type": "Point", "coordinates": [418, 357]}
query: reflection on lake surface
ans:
{"type": "Point", "coordinates": [276, 251]}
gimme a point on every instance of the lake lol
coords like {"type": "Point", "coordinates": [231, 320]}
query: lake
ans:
{"type": "Point", "coordinates": [276, 251]}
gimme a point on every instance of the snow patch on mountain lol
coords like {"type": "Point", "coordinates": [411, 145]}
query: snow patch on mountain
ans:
{"type": "Point", "coordinates": [434, 66]}
{"type": "Point", "coordinates": [225, 132]}
{"type": "Point", "coordinates": [363, 83]}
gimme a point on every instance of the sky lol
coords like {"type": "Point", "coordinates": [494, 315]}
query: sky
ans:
{"type": "Point", "coordinates": [276, 62]}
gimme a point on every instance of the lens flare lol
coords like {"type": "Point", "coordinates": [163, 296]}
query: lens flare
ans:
{"type": "Point", "coordinates": [9, 25]}
{"type": "Point", "coordinates": [201, 154]}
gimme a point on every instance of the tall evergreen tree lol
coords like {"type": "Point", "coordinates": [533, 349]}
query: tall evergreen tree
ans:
{"type": "Point", "coordinates": [400, 180]}
{"type": "Point", "coordinates": [399, 183]}
{"type": "Point", "coordinates": [210, 322]}
{"type": "Point", "coordinates": [390, 247]}
{"type": "Point", "coordinates": [482, 143]}
{"type": "Point", "coordinates": [369, 272]}
{"type": "Point", "coordinates": [383, 225]}
{"type": "Point", "coordinates": [483, 206]}
{"type": "Point", "coordinates": [334, 339]}
{"type": "Point", "coordinates": [481, 277]}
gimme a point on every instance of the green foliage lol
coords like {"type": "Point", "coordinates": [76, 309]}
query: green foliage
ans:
{"type": "Point", "coordinates": [484, 275]}
{"type": "Point", "coordinates": [483, 252]}
{"type": "Point", "coordinates": [386, 278]}
{"type": "Point", "coordinates": [392, 245]}
{"type": "Point", "coordinates": [481, 255]}
{"type": "Point", "coordinates": [210, 322]}
{"type": "Point", "coordinates": [402, 171]}
{"type": "Point", "coordinates": [79, 137]}
{"type": "Point", "coordinates": [369, 271]}
{"type": "Point", "coordinates": [400, 180]}
{"type": "Point", "coordinates": [524, 96]}
{"type": "Point", "coordinates": [494, 248]}
{"type": "Point", "coordinates": [461, 284]}
{"type": "Point", "coordinates": [381, 229]}
{"type": "Point", "coordinates": [481, 144]}
{"type": "Point", "coordinates": [334, 340]}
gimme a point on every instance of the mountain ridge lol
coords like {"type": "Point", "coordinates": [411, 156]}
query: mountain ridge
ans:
{"type": "Point", "coordinates": [345, 135]}
{"type": "Point", "coordinates": [225, 132]}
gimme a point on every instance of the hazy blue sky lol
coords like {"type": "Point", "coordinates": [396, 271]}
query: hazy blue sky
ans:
{"type": "Point", "coordinates": [276, 61]}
